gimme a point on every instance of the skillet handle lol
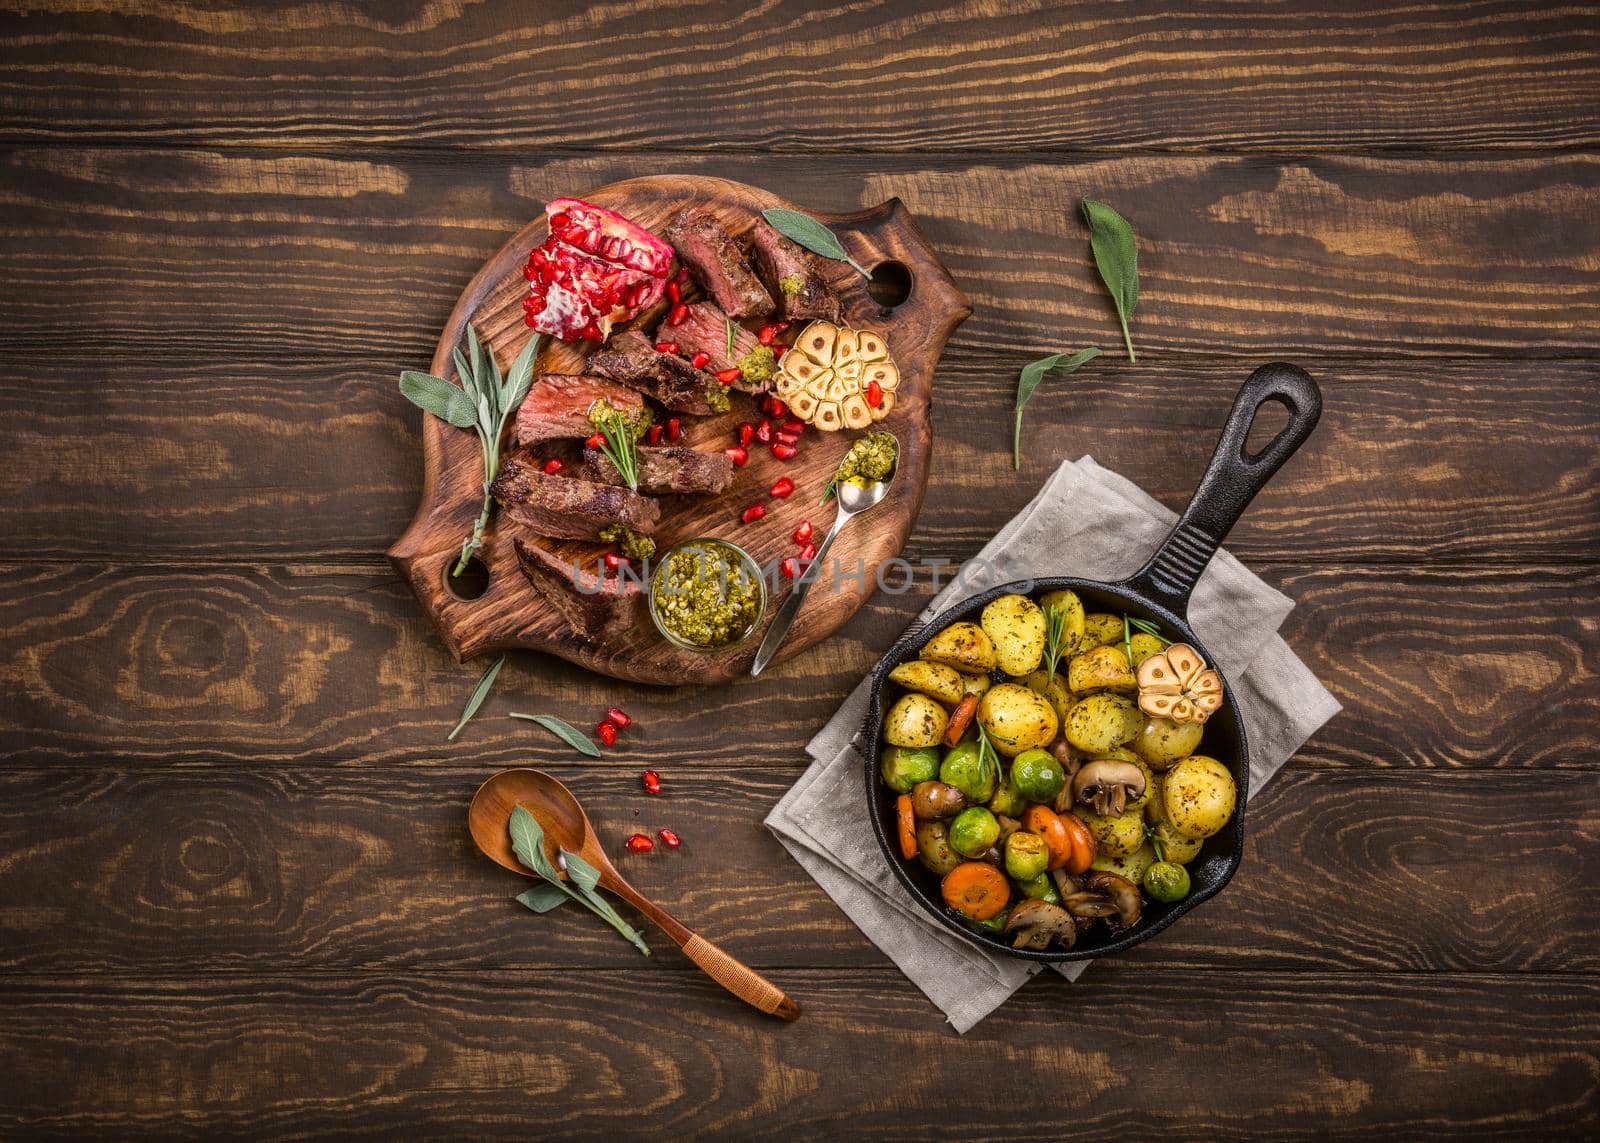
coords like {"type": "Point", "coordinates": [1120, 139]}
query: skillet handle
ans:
{"type": "Point", "coordinates": [1231, 481]}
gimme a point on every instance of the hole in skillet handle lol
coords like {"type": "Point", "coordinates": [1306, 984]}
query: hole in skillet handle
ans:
{"type": "Point", "coordinates": [470, 584]}
{"type": "Point", "coordinates": [890, 285]}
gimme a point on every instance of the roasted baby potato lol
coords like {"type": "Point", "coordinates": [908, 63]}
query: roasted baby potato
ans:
{"type": "Point", "coordinates": [974, 684]}
{"type": "Point", "coordinates": [1015, 626]}
{"type": "Point", "coordinates": [1161, 742]}
{"type": "Point", "coordinates": [1143, 647]}
{"type": "Point", "coordinates": [932, 679]}
{"type": "Point", "coordinates": [1101, 669]}
{"type": "Point", "coordinates": [1131, 866]}
{"type": "Point", "coordinates": [1198, 795]}
{"type": "Point", "coordinates": [1179, 849]}
{"type": "Point", "coordinates": [1116, 836]}
{"type": "Point", "coordinates": [1054, 688]}
{"type": "Point", "coordinates": [1016, 718]}
{"type": "Point", "coordinates": [1071, 618]}
{"type": "Point", "coordinates": [1100, 722]}
{"type": "Point", "coordinates": [915, 720]}
{"type": "Point", "coordinates": [1099, 629]}
{"type": "Point", "coordinates": [963, 646]}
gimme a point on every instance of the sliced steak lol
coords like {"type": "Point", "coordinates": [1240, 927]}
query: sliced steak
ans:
{"type": "Point", "coordinates": [565, 506]}
{"type": "Point", "coordinates": [704, 329]}
{"type": "Point", "coordinates": [705, 246]}
{"type": "Point", "coordinates": [632, 360]}
{"type": "Point", "coordinates": [667, 470]}
{"type": "Point", "coordinates": [594, 605]}
{"type": "Point", "coordinates": [791, 277]}
{"type": "Point", "coordinates": [557, 407]}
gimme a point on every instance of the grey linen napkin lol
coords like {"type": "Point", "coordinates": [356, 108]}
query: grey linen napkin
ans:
{"type": "Point", "coordinates": [1085, 521]}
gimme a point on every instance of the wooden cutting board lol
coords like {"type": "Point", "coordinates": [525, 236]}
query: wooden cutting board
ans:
{"type": "Point", "coordinates": [510, 613]}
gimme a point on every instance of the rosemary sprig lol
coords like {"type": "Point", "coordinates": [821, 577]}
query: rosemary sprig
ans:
{"type": "Point", "coordinates": [728, 322]}
{"type": "Point", "coordinates": [622, 447]}
{"type": "Point", "coordinates": [1055, 629]}
{"type": "Point", "coordinates": [1145, 627]}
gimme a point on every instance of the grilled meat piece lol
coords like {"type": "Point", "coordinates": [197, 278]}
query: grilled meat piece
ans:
{"type": "Point", "coordinates": [594, 605]}
{"type": "Point", "coordinates": [666, 470]}
{"type": "Point", "coordinates": [557, 407]}
{"type": "Point", "coordinates": [704, 329]}
{"type": "Point", "coordinates": [564, 506]}
{"type": "Point", "coordinates": [706, 247]}
{"type": "Point", "coordinates": [632, 360]}
{"type": "Point", "coordinates": [791, 277]}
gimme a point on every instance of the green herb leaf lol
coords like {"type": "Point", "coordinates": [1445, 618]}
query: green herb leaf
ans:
{"type": "Point", "coordinates": [476, 349]}
{"type": "Point", "coordinates": [1148, 628]}
{"type": "Point", "coordinates": [1055, 625]}
{"type": "Point", "coordinates": [583, 875]}
{"type": "Point", "coordinates": [527, 842]}
{"type": "Point", "coordinates": [520, 379]}
{"type": "Point", "coordinates": [583, 878]}
{"type": "Point", "coordinates": [1033, 374]}
{"type": "Point", "coordinates": [622, 447]}
{"type": "Point", "coordinates": [479, 693]}
{"type": "Point", "coordinates": [728, 322]}
{"type": "Point", "coordinates": [565, 731]}
{"type": "Point", "coordinates": [464, 373]}
{"type": "Point", "coordinates": [1116, 256]}
{"type": "Point", "coordinates": [811, 234]}
{"type": "Point", "coordinates": [437, 396]}
{"type": "Point", "coordinates": [1127, 640]}
{"type": "Point", "coordinates": [543, 898]}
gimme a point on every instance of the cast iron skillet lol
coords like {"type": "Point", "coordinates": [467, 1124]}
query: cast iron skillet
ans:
{"type": "Point", "coordinates": [1158, 592]}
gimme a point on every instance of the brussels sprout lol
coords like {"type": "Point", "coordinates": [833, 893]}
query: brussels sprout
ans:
{"type": "Point", "coordinates": [933, 848]}
{"type": "Point", "coordinates": [973, 831]}
{"type": "Point", "coordinates": [903, 767]}
{"type": "Point", "coordinates": [1039, 775]}
{"type": "Point", "coordinates": [995, 924]}
{"type": "Point", "coordinates": [1026, 856]}
{"type": "Point", "coordinates": [1166, 881]}
{"type": "Point", "coordinates": [1040, 888]}
{"type": "Point", "coordinates": [971, 771]}
{"type": "Point", "coordinates": [1008, 799]}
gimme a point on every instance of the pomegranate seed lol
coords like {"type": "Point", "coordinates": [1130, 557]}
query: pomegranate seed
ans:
{"type": "Point", "coordinates": [613, 561]}
{"type": "Point", "coordinates": [681, 277]}
{"type": "Point", "coordinates": [764, 431]}
{"type": "Point", "coordinates": [788, 438]}
{"type": "Point", "coordinates": [666, 347]}
{"type": "Point", "coordinates": [652, 782]}
{"type": "Point", "coordinates": [794, 425]}
{"type": "Point", "coordinates": [809, 552]}
{"type": "Point", "coordinates": [776, 407]}
{"type": "Point", "coordinates": [767, 333]}
{"type": "Point", "coordinates": [668, 838]}
{"type": "Point", "coordinates": [746, 432]}
{"type": "Point", "coordinates": [782, 488]}
{"type": "Point", "coordinates": [638, 843]}
{"type": "Point", "coordinates": [618, 717]}
{"type": "Point", "coordinates": [553, 466]}
{"type": "Point", "coordinates": [674, 428]}
{"type": "Point", "coordinates": [782, 349]}
{"type": "Point", "coordinates": [595, 441]}
{"type": "Point", "coordinates": [728, 376]}
{"type": "Point", "coordinates": [782, 325]}
{"type": "Point", "coordinates": [753, 513]}
{"type": "Point", "coordinates": [790, 568]}
{"type": "Point", "coordinates": [803, 532]}
{"type": "Point", "coordinates": [558, 221]}
{"type": "Point", "coordinates": [783, 451]}
{"type": "Point", "coordinates": [699, 360]}
{"type": "Point", "coordinates": [738, 454]}
{"type": "Point", "coordinates": [607, 732]}
{"type": "Point", "coordinates": [654, 435]}
{"type": "Point", "coordinates": [874, 395]}
{"type": "Point", "coordinates": [674, 293]}
{"type": "Point", "coordinates": [679, 312]}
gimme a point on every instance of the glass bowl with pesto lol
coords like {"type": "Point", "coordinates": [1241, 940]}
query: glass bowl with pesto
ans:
{"type": "Point", "coordinates": [707, 594]}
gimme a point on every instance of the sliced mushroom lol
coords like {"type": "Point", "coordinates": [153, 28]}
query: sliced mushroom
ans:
{"type": "Point", "coordinates": [1088, 905]}
{"type": "Point", "coordinates": [1069, 758]}
{"type": "Point", "coordinates": [1008, 826]}
{"type": "Point", "coordinates": [1122, 894]}
{"type": "Point", "coordinates": [934, 800]}
{"type": "Point", "coordinates": [1108, 784]}
{"type": "Point", "coordinates": [1066, 884]}
{"type": "Point", "coordinates": [1038, 924]}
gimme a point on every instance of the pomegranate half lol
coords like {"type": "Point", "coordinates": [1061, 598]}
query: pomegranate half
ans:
{"type": "Point", "coordinates": [597, 268]}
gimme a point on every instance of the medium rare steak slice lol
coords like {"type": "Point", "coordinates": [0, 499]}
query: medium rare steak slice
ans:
{"type": "Point", "coordinates": [667, 470]}
{"type": "Point", "coordinates": [557, 407]}
{"type": "Point", "coordinates": [566, 507]}
{"type": "Point", "coordinates": [594, 605]}
{"type": "Point", "coordinates": [704, 329]}
{"type": "Point", "coordinates": [631, 359]}
{"type": "Point", "coordinates": [791, 276]}
{"type": "Point", "coordinates": [706, 247]}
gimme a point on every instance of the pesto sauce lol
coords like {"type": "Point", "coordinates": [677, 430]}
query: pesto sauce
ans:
{"type": "Point", "coordinates": [704, 595]}
{"type": "Point", "coordinates": [792, 284]}
{"type": "Point", "coordinates": [634, 545]}
{"type": "Point", "coordinates": [869, 460]}
{"type": "Point", "coordinates": [603, 411]}
{"type": "Point", "coordinates": [758, 366]}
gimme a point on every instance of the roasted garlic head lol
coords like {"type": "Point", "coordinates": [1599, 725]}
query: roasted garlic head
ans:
{"type": "Point", "coordinates": [1176, 684]}
{"type": "Point", "coordinates": [835, 377]}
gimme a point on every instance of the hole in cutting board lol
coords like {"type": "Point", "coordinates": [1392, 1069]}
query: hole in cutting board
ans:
{"type": "Point", "coordinates": [471, 583]}
{"type": "Point", "coordinates": [890, 284]}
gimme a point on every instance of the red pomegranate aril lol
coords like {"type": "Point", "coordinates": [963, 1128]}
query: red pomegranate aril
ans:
{"type": "Point", "coordinates": [779, 352]}
{"type": "Point", "coordinates": [666, 347]}
{"type": "Point", "coordinates": [654, 435]}
{"type": "Point", "coordinates": [679, 312]}
{"type": "Point", "coordinates": [782, 488]}
{"type": "Point", "coordinates": [809, 552]}
{"type": "Point", "coordinates": [767, 333]}
{"type": "Point", "coordinates": [674, 428]}
{"type": "Point", "coordinates": [794, 425]}
{"type": "Point", "coordinates": [746, 432]}
{"type": "Point", "coordinates": [674, 292]}
{"type": "Point", "coordinates": [738, 454]}
{"type": "Point", "coordinates": [783, 451]}
{"type": "Point", "coordinates": [699, 360]}
{"type": "Point", "coordinates": [639, 843]}
{"type": "Point", "coordinates": [764, 431]}
{"type": "Point", "coordinates": [874, 395]}
{"type": "Point", "coordinates": [558, 221]}
{"type": "Point", "coordinates": [802, 534]}
{"type": "Point", "coordinates": [790, 568]}
{"type": "Point", "coordinates": [618, 717]}
{"type": "Point", "coordinates": [753, 513]}
{"type": "Point", "coordinates": [607, 733]}
{"type": "Point", "coordinates": [553, 466]}
{"type": "Point", "coordinates": [729, 375]}
{"type": "Point", "coordinates": [652, 782]}
{"type": "Point", "coordinates": [613, 561]}
{"type": "Point", "coordinates": [787, 438]}
{"type": "Point", "coordinates": [776, 407]}
{"type": "Point", "coordinates": [595, 441]}
{"type": "Point", "coordinates": [668, 838]}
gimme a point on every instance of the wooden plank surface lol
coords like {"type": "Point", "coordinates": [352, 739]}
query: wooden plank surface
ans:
{"type": "Point", "coordinates": [916, 75]}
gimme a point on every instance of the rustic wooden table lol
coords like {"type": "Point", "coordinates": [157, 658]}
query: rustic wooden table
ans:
{"type": "Point", "coordinates": [236, 891]}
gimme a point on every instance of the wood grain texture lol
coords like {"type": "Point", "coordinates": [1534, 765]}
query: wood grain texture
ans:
{"type": "Point", "coordinates": [1241, 255]}
{"type": "Point", "coordinates": [189, 872]}
{"type": "Point", "coordinates": [163, 666]}
{"type": "Point", "coordinates": [916, 75]}
{"type": "Point", "coordinates": [598, 1055]}
{"type": "Point", "coordinates": [512, 614]}
{"type": "Point", "coordinates": [300, 459]}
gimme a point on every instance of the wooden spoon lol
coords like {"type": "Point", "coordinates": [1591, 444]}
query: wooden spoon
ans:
{"type": "Point", "coordinates": [567, 827]}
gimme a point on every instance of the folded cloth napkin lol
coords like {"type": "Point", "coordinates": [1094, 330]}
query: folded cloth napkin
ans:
{"type": "Point", "coordinates": [1085, 521]}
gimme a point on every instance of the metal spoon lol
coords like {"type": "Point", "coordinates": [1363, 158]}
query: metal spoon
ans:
{"type": "Point", "coordinates": [853, 500]}
{"type": "Point", "coordinates": [567, 827]}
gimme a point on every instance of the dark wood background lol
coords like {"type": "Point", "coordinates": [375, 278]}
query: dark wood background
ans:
{"type": "Point", "coordinates": [236, 891]}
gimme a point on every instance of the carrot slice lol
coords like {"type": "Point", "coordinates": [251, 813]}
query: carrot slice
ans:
{"type": "Point", "coordinates": [960, 718]}
{"type": "Point", "coordinates": [1084, 845]}
{"type": "Point", "coordinates": [907, 821]}
{"type": "Point", "coordinates": [976, 890]}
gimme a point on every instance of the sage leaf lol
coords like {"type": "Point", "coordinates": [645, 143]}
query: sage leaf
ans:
{"type": "Point", "coordinates": [479, 693]}
{"type": "Point", "coordinates": [520, 379]}
{"type": "Point", "coordinates": [1033, 374]}
{"type": "Point", "coordinates": [476, 349]}
{"type": "Point", "coordinates": [464, 373]}
{"type": "Point", "coordinates": [527, 842]}
{"type": "Point", "coordinates": [811, 234]}
{"type": "Point", "coordinates": [437, 396]}
{"type": "Point", "coordinates": [543, 898]}
{"type": "Point", "coordinates": [1116, 256]}
{"type": "Point", "coordinates": [565, 731]}
{"type": "Point", "coordinates": [583, 878]}
{"type": "Point", "coordinates": [583, 875]}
